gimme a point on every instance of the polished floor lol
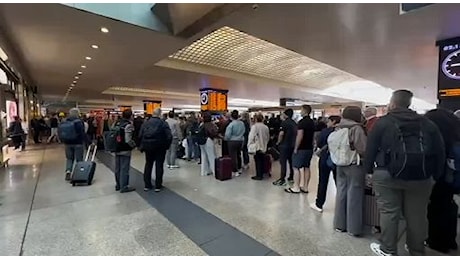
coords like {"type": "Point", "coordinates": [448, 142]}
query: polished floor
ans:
{"type": "Point", "coordinates": [41, 214]}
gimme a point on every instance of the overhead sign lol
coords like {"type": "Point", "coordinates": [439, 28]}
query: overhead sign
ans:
{"type": "Point", "coordinates": [214, 100]}
{"type": "Point", "coordinates": [449, 68]}
{"type": "Point", "coordinates": [123, 108]}
{"type": "Point", "coordinates": [150, 106]}
{"type": "Point", "coordinates": [408, 7]}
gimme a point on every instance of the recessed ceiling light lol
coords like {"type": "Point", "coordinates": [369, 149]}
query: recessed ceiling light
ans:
{"type": "Point", "coordinates": [72, 85]}
{"type": "Point", "coordinates": [79, 73]}
{"type": "Point", "coordinates": [94, 46]}
{"type": "Point", "coordinates": [104, 30]}
{"type": "Point", "coordinates": [83, 66]}
{"type": "Point", "coordinates": [74, 82]}
{"type": "Point", "coordinates": [70, 88]}
{"type": "Point", "coordinates": [88, 58]}
{"type": "Point", "coordinates": [76, 77]}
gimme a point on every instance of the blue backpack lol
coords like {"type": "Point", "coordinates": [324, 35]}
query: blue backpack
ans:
{"type": "Point", "coordinates": [453, 168]}
{"type": "Point", "coordinates": [67, 131]}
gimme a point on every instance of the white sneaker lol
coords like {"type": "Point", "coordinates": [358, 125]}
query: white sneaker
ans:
{"type": "Point", "coordinates": [236, 174]}
{"type": "Point", "coordinates": [375, 247]}
{"type": "Point", "coordinates": [313, 206]}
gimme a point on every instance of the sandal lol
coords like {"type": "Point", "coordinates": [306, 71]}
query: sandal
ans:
{"type": "Point", "coordinates": [289, 190]}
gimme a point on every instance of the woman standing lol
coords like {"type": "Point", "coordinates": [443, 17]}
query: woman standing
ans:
{"type": "Point", "coordinates": [350, 178]}
{"type": "Point", "coordinates": [258, 139]}
{"type": "Point", "coordinates": [442, 209]}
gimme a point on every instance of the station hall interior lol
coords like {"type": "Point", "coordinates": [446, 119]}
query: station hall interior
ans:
{"type": "Point", "coordinates": [103, 58]}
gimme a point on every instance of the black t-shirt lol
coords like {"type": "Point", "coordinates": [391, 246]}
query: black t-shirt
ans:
{"type": "Point", "coordinates": [289, 127]}
{"type": "Point", "coordinates": [308, 127]}
{"type": "Point", "coordinates": [54, 122]}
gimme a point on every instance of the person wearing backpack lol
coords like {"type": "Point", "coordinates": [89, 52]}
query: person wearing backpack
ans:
{"type": "Point", "coordinates": [325, 168]}
{"type": "Point", "coordinates": [404, 151]}
{"type": "Point", "coordinates": [207, 133]}
{"type": "Point", "coordinates": [155, 139]}
{"type": "Point", "coordinates": [72, 133]}
{"type": "Point", "coordinates": [347, 145]}
{"type": "Point", "coordinates": [442, 209]}
{"type": "Point", "coordinates": [125, 144]}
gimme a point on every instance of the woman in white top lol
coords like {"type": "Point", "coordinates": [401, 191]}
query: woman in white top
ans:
{"type": "Point", "coordinates": [258, 139]}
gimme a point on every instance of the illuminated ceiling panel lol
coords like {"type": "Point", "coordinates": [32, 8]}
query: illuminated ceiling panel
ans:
{"type": "Point", "coordinates": [230, 49]}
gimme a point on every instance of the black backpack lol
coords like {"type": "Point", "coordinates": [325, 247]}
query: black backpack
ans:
{"type": "Point", "coordinates": [409, 150]}
{"type": "Point", "coordinates": [201, 137]}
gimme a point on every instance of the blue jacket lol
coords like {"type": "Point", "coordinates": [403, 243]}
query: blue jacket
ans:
{"type": "Point", "coordinates": [235, 131]}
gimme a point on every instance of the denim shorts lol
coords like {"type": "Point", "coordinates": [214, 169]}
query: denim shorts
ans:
{"type": "Point", "coordinates": [302, 159]}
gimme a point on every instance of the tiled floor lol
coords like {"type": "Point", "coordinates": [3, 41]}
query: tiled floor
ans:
{"type": "Point", "coordinates": [66, 220]}
{"type": "Point", "coordinates": [43, 215]}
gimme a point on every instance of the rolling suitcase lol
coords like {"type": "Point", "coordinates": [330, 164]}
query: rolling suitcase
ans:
{"type": "Point", "coordinates": [371, 211]}
{"type": "Point", "coordinates": [84, 170]}
{"type": "Point", "coordinates": [268, 165]}
{"type": "Point", "coordinates": [223, 169]}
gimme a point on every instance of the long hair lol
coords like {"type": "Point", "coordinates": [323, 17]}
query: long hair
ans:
{"type": "Point", "coordinates": [448, 124]}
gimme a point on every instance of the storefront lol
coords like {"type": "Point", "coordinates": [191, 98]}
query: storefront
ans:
{"type": "Point", "coordinates": [14, 99]}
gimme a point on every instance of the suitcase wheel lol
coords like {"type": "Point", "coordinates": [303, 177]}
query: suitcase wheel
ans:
{"type": "Point", "coordinates": [90, 182]}
{"type": "Point", "coordinates": [73, 183]}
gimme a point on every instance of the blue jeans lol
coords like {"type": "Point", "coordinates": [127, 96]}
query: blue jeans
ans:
{"type": "Point", "coordinates": [122, 165]}
{"type": "Point", "coordinates": [194, 148]}
{"type": "Point", "coordinates": [73, 152]}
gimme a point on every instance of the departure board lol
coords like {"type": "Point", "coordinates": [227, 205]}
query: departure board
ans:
{"type": "Point", "coordinates": [150, 106]}
{"type": "Point", "coordinates": [214, 100]}
{"type": "Point", "coordinates": [123, 108]}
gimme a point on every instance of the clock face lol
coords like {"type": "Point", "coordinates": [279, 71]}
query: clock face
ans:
{"type": "Point", "coordinates": [451, 65]}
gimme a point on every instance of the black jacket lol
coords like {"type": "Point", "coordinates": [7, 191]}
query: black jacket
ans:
{"type": "Point", "coordinates": [155, 134]}
{"type": "Point", "coordinates": [379, 141]}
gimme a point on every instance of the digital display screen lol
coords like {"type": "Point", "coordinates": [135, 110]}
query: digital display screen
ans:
{"type": "Point", "coordinates": [213, 100]}
{"type": "Point", "coordinates": [150, 106]}
{"type": "Point", "coordinates": [449, 69]}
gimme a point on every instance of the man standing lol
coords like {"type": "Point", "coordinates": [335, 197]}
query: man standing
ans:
{"type": "Point", "coordinates": [72, 134]}
{"type": "Point", "coordinates": [176, 132]}
{"type": "Point", "coordinates": [54, 123]}
{"type": "Point", "coordinates": [192, 128]}
{"type": "Point", "coordinates": [155, 138]}
{"type": "Point", "coordinates": [286, 142]}
{"type": "Point", "coordinates": [371, 118]}
{"type": "Point", "coordinates": [408, 150]}
{"type": "Point", "coordinates": [303, 152]}
{"type": "Point", "coordinates": [123, 154]}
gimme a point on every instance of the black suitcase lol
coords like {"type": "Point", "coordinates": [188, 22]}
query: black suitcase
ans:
{"type": "Point", "coordinates": [84, 170]}
{"type": "Point", "coordinates": [274, 153]}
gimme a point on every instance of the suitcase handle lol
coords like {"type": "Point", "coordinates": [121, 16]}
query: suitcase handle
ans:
{"type": "Point", "coordinates": [92, 147]}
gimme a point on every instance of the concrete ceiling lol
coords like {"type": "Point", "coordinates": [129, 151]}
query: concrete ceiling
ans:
{"type": "Point", "coordinates": [371, 41]}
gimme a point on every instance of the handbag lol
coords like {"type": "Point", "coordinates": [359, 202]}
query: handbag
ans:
{"type": "Point", "coordinates": [253, 146]}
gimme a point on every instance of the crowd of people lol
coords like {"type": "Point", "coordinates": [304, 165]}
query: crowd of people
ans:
{"type": "Point", "coordinates": [409, 160]}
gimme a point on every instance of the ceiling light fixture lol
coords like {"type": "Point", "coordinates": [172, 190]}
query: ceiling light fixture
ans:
{"type": "Point", "coordinates": [79, 73]}
{"type": "Point", "coordinates": [76, 77]}
{"type": "Point", "coordinates": [88, 58]}
{"type": "Point", "coordinates": [72, 85]}
{"type": "Point", "coordinates": [104, 30]}
{"type": "Point", "coordinates": [74, 82]}
{"type": "Point", "coordinates": [83, 66]}
{"type": "Point", "coordinates": [94, 46]}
